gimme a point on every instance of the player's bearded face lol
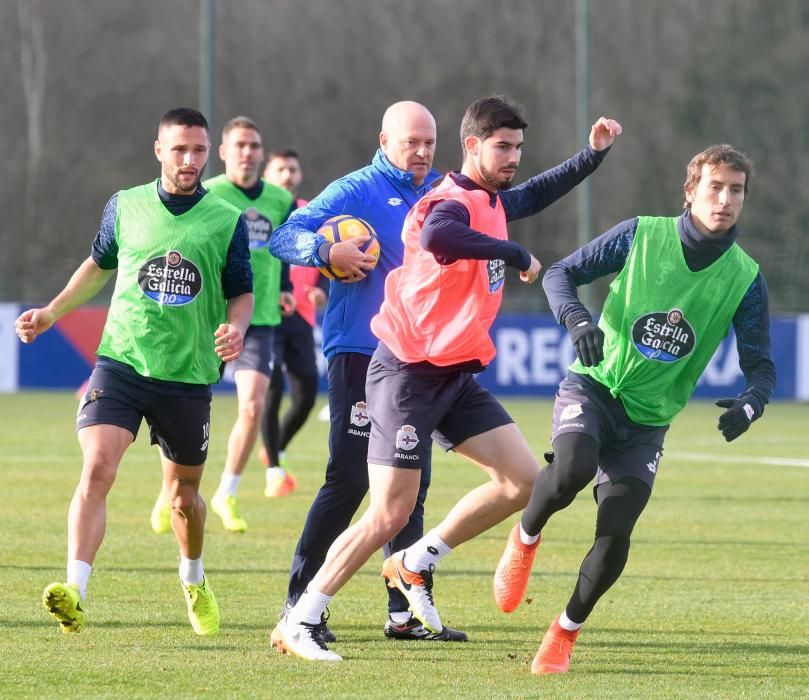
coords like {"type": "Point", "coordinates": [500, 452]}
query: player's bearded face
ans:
{"type": "Point", "coordinates": [494, 180]}
{"type": "Point", "coordinates": [185, 179]}
{"type": "Point", "coordinates": [499, 158]}
{"type": "Point", "coordinates": [183, 153]}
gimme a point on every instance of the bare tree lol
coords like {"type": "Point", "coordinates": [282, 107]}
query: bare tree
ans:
{"type": "Point", "coordinates": [33, 65]}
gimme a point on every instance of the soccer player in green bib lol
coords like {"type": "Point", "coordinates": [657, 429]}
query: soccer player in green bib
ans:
{"type": "Point", "coordinates": [680, 284]}
{"type": "Point", "coordinates": [180, 308]}
{"type": "Point", "coordinates": [265, 207]}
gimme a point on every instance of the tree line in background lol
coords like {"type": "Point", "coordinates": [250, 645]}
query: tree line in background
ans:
{"type": "Point", "coordinates": [86, 82]}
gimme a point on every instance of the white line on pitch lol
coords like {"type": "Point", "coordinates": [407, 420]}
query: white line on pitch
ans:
{"type": "Point", "coordinates": [774, 461]}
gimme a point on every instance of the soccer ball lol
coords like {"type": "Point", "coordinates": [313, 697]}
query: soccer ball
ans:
{"type": "Point", "coordinates": [342, 228]}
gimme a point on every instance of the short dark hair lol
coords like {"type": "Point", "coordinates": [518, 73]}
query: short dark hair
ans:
{"type": "Point", "coordinates": [488, 114]}
{"type": "Point", "coordinates": [284, 153]}
{"type": "Point", "coordinates": [718, 154]}
{"type": "Point", "coordinates": [240, 122]}
{"type": "Point", "coordinates": [184, 116]}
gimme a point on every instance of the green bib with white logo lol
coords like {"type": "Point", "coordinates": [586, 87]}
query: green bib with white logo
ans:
{"type": "Point", "coordinates": [662, 322]}
{"type": "Point", "coordinates": [262, 215]}
{"type": "Point", "coordinates": [168, 297]}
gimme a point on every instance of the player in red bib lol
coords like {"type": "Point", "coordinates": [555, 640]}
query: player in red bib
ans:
{"type": "Point", "coordinates": [433, 328]}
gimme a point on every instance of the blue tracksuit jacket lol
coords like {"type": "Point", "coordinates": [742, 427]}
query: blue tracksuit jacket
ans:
{"type": "Point", "coordinates": [381, 194]}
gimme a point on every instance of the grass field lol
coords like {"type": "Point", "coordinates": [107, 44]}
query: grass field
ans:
{"type": "Point", "coordinates": [713, 603]}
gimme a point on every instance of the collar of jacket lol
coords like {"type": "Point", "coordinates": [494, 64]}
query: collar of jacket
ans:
{"type": "Point", "coordinates": [403, 177]}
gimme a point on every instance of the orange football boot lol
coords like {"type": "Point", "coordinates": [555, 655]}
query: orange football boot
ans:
{"type": "Point", "coordinates": [555, 651]}
{"type": "Point", "coordinates": [513, 571]}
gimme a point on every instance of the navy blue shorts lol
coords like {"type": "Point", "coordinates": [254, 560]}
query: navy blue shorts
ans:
{"type": "Point", "coordinates": [626, 448]}
{"type": "Point", "coordinates": [179, 420]}
{"type": "Point", "coordinates": [294, 347]}
{"type": "Point", "coordinates": [411, 405]}
{"type": "Point", "coordinates": [348, 411]}
{"type": "Point", "coordinates": [258, 350]}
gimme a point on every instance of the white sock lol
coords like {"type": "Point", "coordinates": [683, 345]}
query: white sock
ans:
{"type": "Point", "coordinates": [310, 607]}
{"type": "Point", "coordinates": [525, 538]}
{"type": "Point", "coordinates": [228, 484]}
{"type": "Point", "coordinates": [78, 572]}
{"type": "Point", "coordinates": [274, 473]}
{"type": "Point", "coordinates": [427, 552]}
{"type": "Point", "coordinates": [191, 573]}
{"type": "Point", "coordinates": [400, 617]}
{"type": "Point", "coordinates": [567, 624]}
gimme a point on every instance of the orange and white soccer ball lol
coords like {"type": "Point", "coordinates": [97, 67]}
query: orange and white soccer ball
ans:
{"type": "Point", "coordinates": [342, 228]}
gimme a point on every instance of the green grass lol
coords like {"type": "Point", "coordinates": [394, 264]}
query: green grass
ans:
{"type": "Point", "coordinates": [713, 603]}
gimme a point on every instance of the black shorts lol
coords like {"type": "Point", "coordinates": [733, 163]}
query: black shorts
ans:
{"type": "Point", "coordinates": [294, 347]}
{"type": "Point", "coordinates": [411, 405]}
{"type": "Point", "coordinates": [626, 448]}
{"type": "Point", "coordinates": [179, 419]}
{"type": "Point", "coordinates": [258, 350]}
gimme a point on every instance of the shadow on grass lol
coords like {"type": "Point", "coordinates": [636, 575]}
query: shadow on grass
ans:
{"type": "Point", "coordinates": [443, 575]}
{"type": "Point", "coordinates": [101, 625]}
{"type": "Point", "coordinates": [170, 570]}
{"type": "Point", "coordinates": [733, 499]}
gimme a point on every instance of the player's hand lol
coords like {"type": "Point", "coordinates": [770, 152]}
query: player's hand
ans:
{"type": "Point", "coordinates": [588, 339]}
{"type": "Point", "coordinates": [317, 297]}
{"type": "Point", "coordinates": [738, 417]}
{"type": "Point", "coordinates": [347, 256]}
{"type": "Point", "coordinates": [228, 342]}
{"type": "Point", "coordinates": [530, 275]}
{"type": "Point", "coordinates": [288, 304]}
{"type": "Point", "coordinates": [603, 133]}
{"type": "Point", "coordinates": [33, 323]}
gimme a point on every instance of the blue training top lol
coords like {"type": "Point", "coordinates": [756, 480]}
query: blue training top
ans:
{"type": "Point", "coordinates": [380, 193]}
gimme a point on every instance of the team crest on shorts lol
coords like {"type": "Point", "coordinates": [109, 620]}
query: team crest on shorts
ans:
{"type": "Point", "coordinates": [359, 414]}
{"type": "Point", "coordinates": [570, 412]}
{"type": "Point", "coordinates": [406, 438]}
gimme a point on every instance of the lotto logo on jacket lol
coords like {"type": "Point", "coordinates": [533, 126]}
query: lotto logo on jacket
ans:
{"type": "Point", "coordinates": [170, 279]}
{"type": "Point", "coordinates": [665, 337]}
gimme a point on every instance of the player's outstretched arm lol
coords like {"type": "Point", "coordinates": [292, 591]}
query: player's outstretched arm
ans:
{"type": "Point", "coordinates": [84, 284]}
{"type": "Point", "coordinates": [542, 190]}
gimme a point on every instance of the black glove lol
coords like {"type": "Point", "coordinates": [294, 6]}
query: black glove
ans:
{"type": "Point", "coordinates": [588, 339]}
{"type": "Point", "coordinates": [740, 414]}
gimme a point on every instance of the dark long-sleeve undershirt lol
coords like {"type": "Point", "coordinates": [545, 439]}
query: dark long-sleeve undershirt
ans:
{"type": "Point", "coordinates": [447, 234]}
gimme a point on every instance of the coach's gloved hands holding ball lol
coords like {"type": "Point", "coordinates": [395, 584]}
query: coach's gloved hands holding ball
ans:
{"type": "Point", "coordinates": [740, 414]}
{"type": "Point", "coordinates": [587, 338]}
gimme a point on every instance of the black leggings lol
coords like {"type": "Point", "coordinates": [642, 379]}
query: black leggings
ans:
{"type": "Point", "coordinates": [302, 393]}
{"type": "Point", "coordinates": [620, 504]}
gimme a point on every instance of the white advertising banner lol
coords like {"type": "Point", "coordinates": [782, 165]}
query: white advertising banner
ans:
{"type": "Point", "coordinates": [9, 348]}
